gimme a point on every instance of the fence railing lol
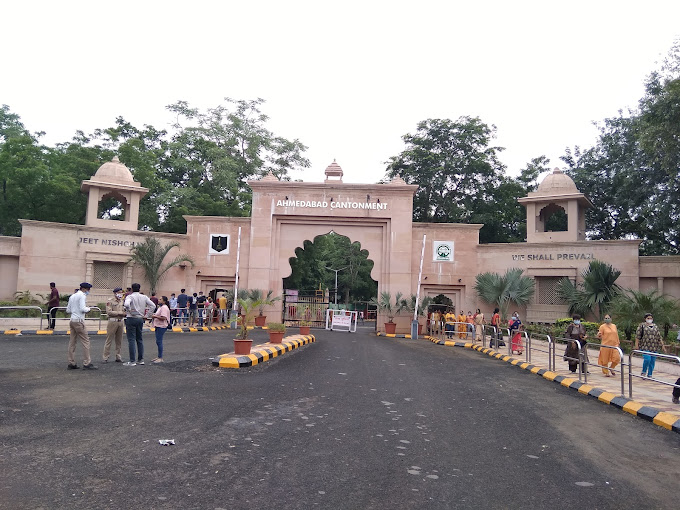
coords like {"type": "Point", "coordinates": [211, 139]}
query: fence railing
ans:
{"type": "Point", "coordinates": [654, 355]}
{"type": "Point", "coordinates": [26, 307]}
{"type": "Point", "coordinates": [94, 310]}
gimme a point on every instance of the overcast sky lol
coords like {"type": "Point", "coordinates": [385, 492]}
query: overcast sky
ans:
{"type": "Point", "coordinates": [348, 79]}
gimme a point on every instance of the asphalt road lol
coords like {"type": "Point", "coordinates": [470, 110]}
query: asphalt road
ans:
{"type": "Point", "coordinates": [350, 422]}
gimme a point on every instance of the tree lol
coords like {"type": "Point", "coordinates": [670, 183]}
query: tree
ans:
{"type": "Point", "coordinates": [631, 174]}
{"type": "Point", "coordinates": [630, 306]}
{"type": "Point", "coordinates": [461, 179]}
{"type": "Point", "coordinates": [262, 298]}
{"type": "Point", "coordinates": [150, 255]}
{"type": "Point", "coordinates": [501, 290]}
{"type": "Point", "coordinates": [409, 305]}
{"type": "Point", "coordinates": [596, 291]}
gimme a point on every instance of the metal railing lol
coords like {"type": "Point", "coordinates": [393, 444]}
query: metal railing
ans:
{"type": "Point", "coordinates": [27, 307]}
{"type": "Point", "coordinates": [622, 364]}
{"type": "Point", "coordinates": [491, 331]}
{"type": "Point", "coordinates": [93, 309]}
{"type": "Point", "coordinates": [654, 355]}
{"type": "Point", "coordinates": [550, 352]}
{"type": "Point", "coordinates": [578, 360]}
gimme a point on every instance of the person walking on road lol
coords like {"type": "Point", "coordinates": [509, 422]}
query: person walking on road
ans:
{"type": "Point", "coordinates": [161, 321]}
{"type": "Point", "coordinates": [135, 306]}
{"type": "Point", "coordinates": [114, 326]}
{"type": "Point", "coordinates": [648, 339]}
{"type": "Point", "coordinates": [77, 307]}
{"type": "Point", "coordinates": [52, 304]}
{"type": "Point", "coordinates": [608, 358]}
{"type": "Point", "coordinates": [515, 327]}
{"type": "Point", "coordinates": [575, 331]}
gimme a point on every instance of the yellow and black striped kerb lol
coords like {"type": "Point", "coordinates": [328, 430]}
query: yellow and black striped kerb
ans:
{"type": "Point", "coordinates": [175, 329]}
{"type": "Point", "coordinates": [263, 352]}
{"type": "Point", "coordinates": [666, 420]}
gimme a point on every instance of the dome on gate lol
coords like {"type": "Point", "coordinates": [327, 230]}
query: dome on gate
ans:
{"type": "Point", "coordinates": [557, 183]}
{"type": "Point", "coordinates": [115, 172]}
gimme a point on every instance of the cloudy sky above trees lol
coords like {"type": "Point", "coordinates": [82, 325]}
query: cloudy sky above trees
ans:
{"type": "Point", "coordinates": [348, 79]}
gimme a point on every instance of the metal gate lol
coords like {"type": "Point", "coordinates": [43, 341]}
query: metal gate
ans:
{"type": "Point", "coordinates": [298, 308]}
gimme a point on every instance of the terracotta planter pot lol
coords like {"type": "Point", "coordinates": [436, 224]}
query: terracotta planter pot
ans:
{"type": "Point", "coordinates": [276, 337]}
{"type": "Point", "coordinates": [304, 330]}
{"type": "Point", "coordinates": [260, 320]}
{"type": "Point", "coordinates": [242, 346]}
{"type": "Point", "coordinates": [390, 327]}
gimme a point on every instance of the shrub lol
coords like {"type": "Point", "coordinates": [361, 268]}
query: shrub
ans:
{"type": "Point", "coordinates": [276, 327]}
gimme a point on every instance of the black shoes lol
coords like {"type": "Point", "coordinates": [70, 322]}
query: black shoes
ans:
{"type": "Point", "coordinates": [89, 367]}
{"type": "Point", "coordinates": [72, 367]}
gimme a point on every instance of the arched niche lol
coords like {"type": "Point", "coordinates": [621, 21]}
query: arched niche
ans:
{"type": "Point", "coordinates": [553, 218]}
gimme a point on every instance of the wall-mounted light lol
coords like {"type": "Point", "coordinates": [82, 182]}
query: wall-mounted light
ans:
{"type": "Point", "coordinates": [368, 197]}
{"type": "Point", "coordinates": [459, 280]}
{"type": "Point", "coordinates": [286, 197]}
{"type": "Point", "coordinates": [331, 199]}
{"type": "Point", "coordinates": [183, 266]}
{"type": "Point", "coordinates": [198, 272]}
{"type": "Point", "coordinates": [378, 200]}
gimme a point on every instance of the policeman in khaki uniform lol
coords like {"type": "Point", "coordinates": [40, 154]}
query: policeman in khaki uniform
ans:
{"type": "Point", "coordinates": [114, 328]}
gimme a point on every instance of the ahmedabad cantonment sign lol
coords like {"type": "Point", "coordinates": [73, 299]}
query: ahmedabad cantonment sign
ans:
{"type": "Point", "coordinates": [378, 206]}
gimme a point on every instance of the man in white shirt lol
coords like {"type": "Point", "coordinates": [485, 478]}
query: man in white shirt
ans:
{"type": "Point", "coordinates": [137, 306]}
{"type": "Point", "coordinates": [77, 307]}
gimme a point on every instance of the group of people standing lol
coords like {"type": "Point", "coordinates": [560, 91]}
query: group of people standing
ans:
{"type": "Point", "coordinates": [197, 309]}
{"type": "Point", "coordinates": [127, 311]}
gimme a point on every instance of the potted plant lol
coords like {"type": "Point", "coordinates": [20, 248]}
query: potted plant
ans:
{"type": "Point", "coordinates": [385, 305]}
{"type": "Point", "coordinates": [304, 327]}
{"type": "Point", "coordinates": [242, 343]}
{"type": "Point", "coordinates": [264, 300]}
{"type": "Point", "coordinates": [409, 305]}
{"type": "Point", "coordinates": [276, 332]}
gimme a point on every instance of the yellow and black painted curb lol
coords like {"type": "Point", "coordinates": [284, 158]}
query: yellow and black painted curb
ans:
{"type": "Point", "coordinates": [262, 352]}
{"type": "Point", "coordinates": [175, 329]}
{"type": "Point", "coordinates": [392, 335]}
{"type": "Point", "coordinates": [663, 419]}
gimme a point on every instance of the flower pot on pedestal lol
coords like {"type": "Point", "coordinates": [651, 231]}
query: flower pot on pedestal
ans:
{"type": "Point", "coordinates": [304, 330]}
{"type": "Point", "coordinates": [276, 337]}
{"type": "Point", "coordinates": [260, 320]}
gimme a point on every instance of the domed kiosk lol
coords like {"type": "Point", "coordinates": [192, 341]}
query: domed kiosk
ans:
{"type": "Point", "coordinates": [113, 180]}
{"type": "Point", "coordinates": [557, 192]}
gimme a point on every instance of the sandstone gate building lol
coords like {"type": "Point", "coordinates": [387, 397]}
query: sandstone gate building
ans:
{"type": "Point", "coordinates": [285, 214]}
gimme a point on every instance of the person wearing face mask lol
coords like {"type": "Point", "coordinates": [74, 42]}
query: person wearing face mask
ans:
{"type": "Point", "coordinates": [608, 358]}
{"type": "Point", "coordinates": [515, 326]}
{"type": "Point", "coordinates": [648, 339]}
{"type": "Point", "coordinates": [77, 307]}
{"type": "Point", "coordinates": [575, 331]}
{"type": "Point", "coordinates": [114, 326]}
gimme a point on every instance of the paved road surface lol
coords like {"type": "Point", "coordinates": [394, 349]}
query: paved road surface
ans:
{"type": "Point", "coordinates": [351, 422]}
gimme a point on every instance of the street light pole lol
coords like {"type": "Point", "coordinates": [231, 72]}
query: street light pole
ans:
{"type": "Point", "coordinates": [336, 281]}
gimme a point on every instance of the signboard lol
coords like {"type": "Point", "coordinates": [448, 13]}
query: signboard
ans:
{"type": "Point", "coordinates": [442, 251]}
{"type": "Point", "coordinates": [219, 244]}
{"type": "Point", "coordinates": [341, 320]}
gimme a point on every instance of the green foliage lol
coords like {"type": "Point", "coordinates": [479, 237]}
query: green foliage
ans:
{"type": "Point", "coordinates": [409, 305]}
{"type": "Point", "coordinates": [596, 291]}
{"type": "Point", "coordinates": [305, 323]}
{"type": "Point", "coordinates": [150, 255]}
{"type": "Point", "coordinates": [501, 290]}
{"type": "Point", "coordinates": [25, 298]}
{"type": "Point", "coordinates": [629, 307]}
{"type": "Point", "coordinates": [276, 327]}
{"type": "Point", "coordinates": [461, 179]}
{"type": "Point", "coordinates": [248, 310]}
{"type": "Point", "coordinates": [631, 174]}
{"type": "Point", "coordinates": [385, 304]}
{"type": "Point", "coordinates": [264, 299]}
{"type": "Point", "coordinates": [309, 268]}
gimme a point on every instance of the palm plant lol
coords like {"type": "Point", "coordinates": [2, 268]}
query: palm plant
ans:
{"type": "Point", "coordinates": [385, 304]}
{"type": "Point", "coordinates": [264, 300]}
{"type": "Point", "coordinates": [598, 289]}
{"type": "Point", "coordinates": [150, 255]}
{"type": "Point", "coordinates": [248, 309]}
{"type": "Point", "coordinates": [409, 304]}
{"type": "Point", "coordinates": [630, 306]}
{"type": "Point", "coordinates": [501, 290]}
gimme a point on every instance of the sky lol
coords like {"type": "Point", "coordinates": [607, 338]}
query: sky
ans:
{"type": "Point", "coordinates": [348, 79]}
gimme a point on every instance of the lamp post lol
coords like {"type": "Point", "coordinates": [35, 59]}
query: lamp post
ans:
{"type": "Point", "coordinates": [336, 281]}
